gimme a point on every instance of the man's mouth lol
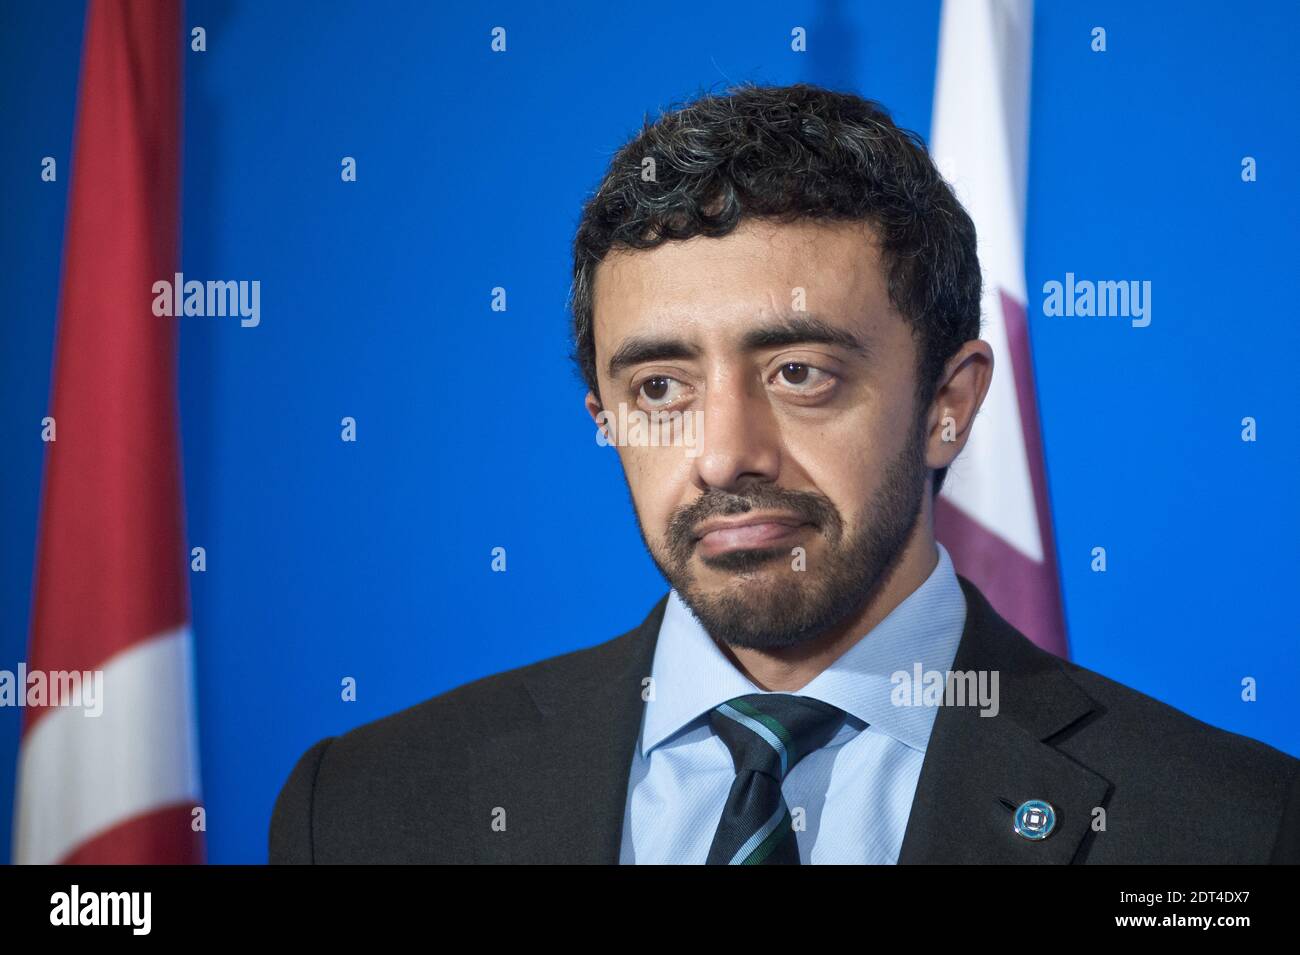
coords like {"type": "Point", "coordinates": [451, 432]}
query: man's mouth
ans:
{"type": "Point", "coordinates": [747, 532]}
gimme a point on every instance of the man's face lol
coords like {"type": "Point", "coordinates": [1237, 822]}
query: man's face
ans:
{"type": "Point", "coordinates": [809, 472]}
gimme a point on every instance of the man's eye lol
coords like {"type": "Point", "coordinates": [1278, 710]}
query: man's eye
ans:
{"type": "Point", "coordinates": [797, 373]}
{"type": "Point", "coordinates": [658, 388]}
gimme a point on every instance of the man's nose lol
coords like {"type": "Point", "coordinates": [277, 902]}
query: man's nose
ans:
{"type": "Point", "coordinates": [739, 439]}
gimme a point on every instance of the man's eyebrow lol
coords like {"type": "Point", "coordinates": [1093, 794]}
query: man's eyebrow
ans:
{"type": "Point", "coordinates": [642, 348]}
{"type": "Point", "coordinates": [803, 329]}
{"type": "Point", "coordinates": [798, 329]}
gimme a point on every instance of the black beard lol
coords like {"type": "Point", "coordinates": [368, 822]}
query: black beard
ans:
{"type": "Point", "coordinates": [796, 607]}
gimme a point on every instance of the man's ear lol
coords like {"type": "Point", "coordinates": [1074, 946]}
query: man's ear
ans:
{"type": "Point", "coordinates": [594, 408]}
{"type": "Point", "coordinates": [957, 399]}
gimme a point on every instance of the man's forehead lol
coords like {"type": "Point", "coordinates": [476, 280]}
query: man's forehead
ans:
{"type": "Point", "coordinates": [761, 272]}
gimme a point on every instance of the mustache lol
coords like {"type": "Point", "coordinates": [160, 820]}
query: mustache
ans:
{"type": "Point", "coordinates": [816, 509]}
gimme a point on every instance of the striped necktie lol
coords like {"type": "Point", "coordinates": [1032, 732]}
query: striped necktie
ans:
{"type": "Point", "coordinates": [767, 733]}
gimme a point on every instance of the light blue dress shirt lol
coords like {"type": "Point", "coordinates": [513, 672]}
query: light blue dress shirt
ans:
{"type": "Point", "coordinates": [856, 791]}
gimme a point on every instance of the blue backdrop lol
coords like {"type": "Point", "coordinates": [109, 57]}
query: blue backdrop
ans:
{"type": "Point", "coordinates": [371, 559]}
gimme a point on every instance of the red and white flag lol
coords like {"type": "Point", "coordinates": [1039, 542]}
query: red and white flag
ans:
{"type": "Point", "coordinates": [120, 785]}
{"type": "Point", "coordinates": [993, 513]}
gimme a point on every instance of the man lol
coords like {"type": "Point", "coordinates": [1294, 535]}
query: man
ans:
{"type": "Point", "coordinates": [780, 292]}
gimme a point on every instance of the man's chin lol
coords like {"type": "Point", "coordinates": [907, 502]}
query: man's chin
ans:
{"type": "Point", "coordinates": [759, 605]}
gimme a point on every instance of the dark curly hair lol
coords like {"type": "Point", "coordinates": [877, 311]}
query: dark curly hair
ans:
{"type": "Point", "coordinates": [785, 153]}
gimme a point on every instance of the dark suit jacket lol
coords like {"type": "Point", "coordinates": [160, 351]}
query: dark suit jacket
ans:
{"type": "Point", "coordinates": [551, 744]}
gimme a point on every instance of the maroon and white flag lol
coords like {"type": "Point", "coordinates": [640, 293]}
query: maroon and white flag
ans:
{"type": "Point", "coordinates": [108, 762]}
{"type": "Point", "coordinates": [993, 513]}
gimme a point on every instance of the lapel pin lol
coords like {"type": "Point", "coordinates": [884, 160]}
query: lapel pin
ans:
{"type": "Point", "coordinates": [1035, 819]}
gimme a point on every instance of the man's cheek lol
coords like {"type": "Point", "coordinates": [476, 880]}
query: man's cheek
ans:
{"type": "Point", "coordinates": [646, 483]}
{"type": "Point", "coordinates": [639, 465]}
{"type": "Point", "coordinates": [658, 465]}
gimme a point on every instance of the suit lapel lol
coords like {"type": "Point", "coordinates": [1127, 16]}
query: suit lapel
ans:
{"type": "Point", "coordinates": [977, 767]}
{"type": "Point", "coordinates": [566, 790]}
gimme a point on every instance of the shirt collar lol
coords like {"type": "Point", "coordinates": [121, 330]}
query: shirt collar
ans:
{"type": "Point", "coordinates": [691, 675]}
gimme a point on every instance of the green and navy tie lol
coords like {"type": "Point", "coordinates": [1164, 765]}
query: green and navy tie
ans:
{"type": "Point", "coordinates": [767, 733]}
